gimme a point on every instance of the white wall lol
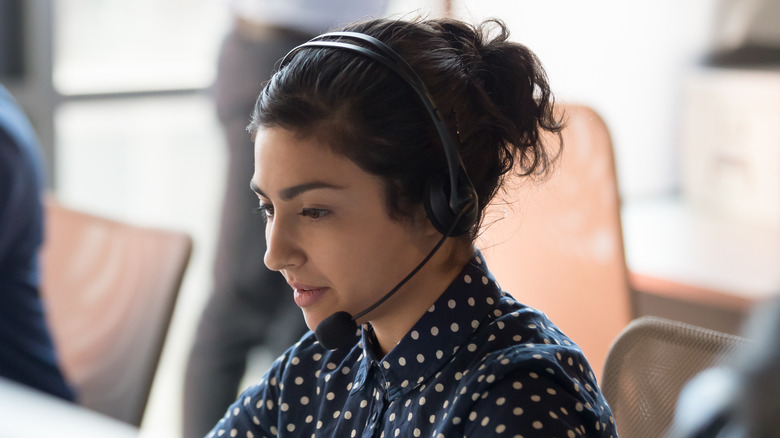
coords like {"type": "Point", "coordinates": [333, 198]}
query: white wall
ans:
{"type": "Point", "coordinates": [626, 59]}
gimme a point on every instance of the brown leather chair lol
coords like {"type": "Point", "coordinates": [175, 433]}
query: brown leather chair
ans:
{"type": "Point", "coordinates": [109, 290]}
{"type": "Point", "coordinates": [557, 244]}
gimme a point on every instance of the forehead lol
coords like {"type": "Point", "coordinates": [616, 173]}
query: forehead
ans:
{"type": "Point", "coordinates": [284, 158]}
{"type": "Point", "coordinates": [278, 147]}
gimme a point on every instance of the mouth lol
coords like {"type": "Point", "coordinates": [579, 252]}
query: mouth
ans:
{"type": "Point", "coordinates": [306, 296]}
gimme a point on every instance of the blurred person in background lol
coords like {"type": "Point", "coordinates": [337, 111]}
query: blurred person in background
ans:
{"type": "Point", "coordinates": [27, 353]}
{"type": "Point", "coordinates": [245, 310]}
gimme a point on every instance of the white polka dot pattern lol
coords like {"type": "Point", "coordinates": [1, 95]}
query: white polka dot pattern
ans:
{"type": "Point", "coordinates": [478, 363]}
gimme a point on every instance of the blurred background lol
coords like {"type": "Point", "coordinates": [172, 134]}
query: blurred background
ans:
{"type": "Point", "coordinates": [118, 93]}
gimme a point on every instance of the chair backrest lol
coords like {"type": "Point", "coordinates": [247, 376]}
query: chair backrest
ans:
{"type": "Point", "coordinates": [557, 245]}
{"type": "Point", "coordinates": [110, 289]}
{"type": "Point", "coordinates": [648, 365]}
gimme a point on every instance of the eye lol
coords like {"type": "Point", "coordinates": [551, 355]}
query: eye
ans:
{"type": "Point", "coordinates": [267, 210]}
{"type": "Point", "coordinates": [314, 213]}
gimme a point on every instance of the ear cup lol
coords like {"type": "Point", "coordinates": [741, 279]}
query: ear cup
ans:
{"type": "Point", "coordinates": [447, 221]}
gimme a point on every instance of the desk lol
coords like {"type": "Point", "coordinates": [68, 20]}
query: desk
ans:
{"type": "Point", "coordinates": [26, 412]}
{"type": "Point", "coordinates": [676, 253]}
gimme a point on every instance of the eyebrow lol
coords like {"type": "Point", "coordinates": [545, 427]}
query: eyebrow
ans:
{"type": "Point", "coordinates": [290, 193]}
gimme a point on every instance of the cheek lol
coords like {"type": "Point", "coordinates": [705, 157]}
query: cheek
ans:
{"type": "Point", "coordinates": [375, 258]}
{"type": "Point", "coordinates": [351, 260]}
{"type": "Point", "coordinates": [364, 245]}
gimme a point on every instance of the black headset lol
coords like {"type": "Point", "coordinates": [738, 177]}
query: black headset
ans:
{"type": "Point", "coordinates": [451, 208]}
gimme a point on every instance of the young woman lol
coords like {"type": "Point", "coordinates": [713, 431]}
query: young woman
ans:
{"type": "Point", "coordinates": [372, 148]}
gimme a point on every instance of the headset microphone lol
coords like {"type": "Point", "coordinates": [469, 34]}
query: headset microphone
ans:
{"type": "Point", "coordinates": [450, 199]}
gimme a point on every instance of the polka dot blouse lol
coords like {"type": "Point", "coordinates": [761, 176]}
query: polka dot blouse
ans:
{"type": "Point", "coordinates": [477, 364]}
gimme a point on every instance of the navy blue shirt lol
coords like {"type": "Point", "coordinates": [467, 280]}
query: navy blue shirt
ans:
{"type": "Point", "coordinates": [478, 363]}
{"type": "Point", "coordinates": [26, 351]}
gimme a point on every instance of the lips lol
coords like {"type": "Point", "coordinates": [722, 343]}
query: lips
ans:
{"type": "Point", "coordinates": [306, 296]}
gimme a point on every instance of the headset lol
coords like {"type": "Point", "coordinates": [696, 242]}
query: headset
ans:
{"type": "Point", "coordinates": [450, 199]}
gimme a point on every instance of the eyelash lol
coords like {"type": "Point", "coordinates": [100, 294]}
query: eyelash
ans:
{"type": "Point", "coordinates": [314, 213]}
{"type": "Point", "coordinates": [267, 210]}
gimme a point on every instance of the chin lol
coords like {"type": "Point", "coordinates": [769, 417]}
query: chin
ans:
{"type": "Point", "coordinates": [312, 321]}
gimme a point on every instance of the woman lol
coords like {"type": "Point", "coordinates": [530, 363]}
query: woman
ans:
{"type": "Point", "coordinates": [354, 161]}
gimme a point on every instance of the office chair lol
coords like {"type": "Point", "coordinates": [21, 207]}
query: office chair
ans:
{"type": "Point", "coordinates": [109, 290]}
{"type": "Point", "coordinates": [557, 245]}
{"type": "Point", "coordinates": [648, 365]}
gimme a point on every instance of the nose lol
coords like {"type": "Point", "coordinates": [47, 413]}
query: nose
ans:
{"type": "Point", "coordinates": [282, 250]}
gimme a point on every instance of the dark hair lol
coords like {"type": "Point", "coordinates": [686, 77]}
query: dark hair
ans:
{"type": "Point", "coordinates": [492, 93]}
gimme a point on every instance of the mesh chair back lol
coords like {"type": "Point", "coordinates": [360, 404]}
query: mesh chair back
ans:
{"type": "Point", "coordinates": [650, 362]}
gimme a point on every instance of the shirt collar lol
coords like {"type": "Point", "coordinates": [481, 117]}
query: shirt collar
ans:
{"type": "Point", "coordinates": [445, 328]}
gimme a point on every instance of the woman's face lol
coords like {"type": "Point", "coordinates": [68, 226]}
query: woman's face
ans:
{"type": "Point", "coordinates": [328, 230]}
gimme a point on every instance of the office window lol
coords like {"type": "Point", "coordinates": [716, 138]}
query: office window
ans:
{"type": "Point", "coordinates": [108, 46]}
{"type": "Point", "coordinates": [155, 160]}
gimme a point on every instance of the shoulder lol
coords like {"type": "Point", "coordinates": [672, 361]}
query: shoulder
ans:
{"type": "Point", "coordinates": [21, 162]}
{"type": "Point", "coordinates": [530, 368]}
{"type": "Point", "coordinates": [534, 393]}
{"type": "Point", "coordinates": [21, 210]}
{"type": "Point", "coordinates": [514, 325]}
{"type": "Point", "coordinates": [520, 337]}
{"type": "Point", "coordinates": [17, 136]}
{"type": "Point", "coordinates": [524, 338]}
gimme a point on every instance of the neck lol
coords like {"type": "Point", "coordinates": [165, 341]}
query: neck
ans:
{"type": "Point", "coordinates": [411, 302]}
